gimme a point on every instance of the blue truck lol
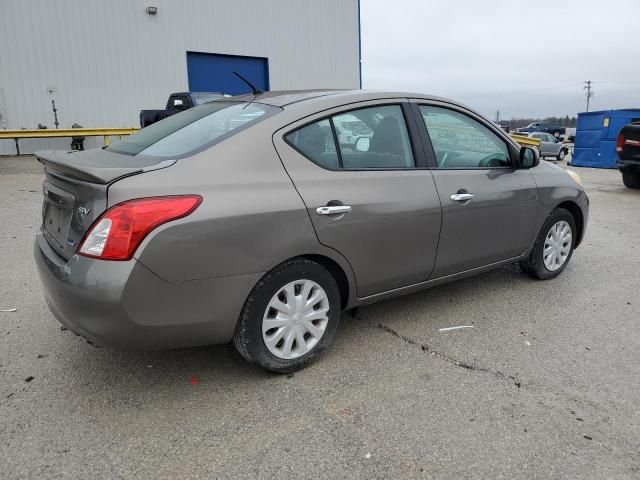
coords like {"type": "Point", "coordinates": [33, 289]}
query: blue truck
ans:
{"type": "Point", "coordinates": [555, 130]}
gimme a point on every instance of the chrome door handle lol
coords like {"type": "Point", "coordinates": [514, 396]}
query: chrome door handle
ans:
{"type": "Point", "coordinates": [333, 210]}
{"type": "Point", "coordinates": [461, 197]}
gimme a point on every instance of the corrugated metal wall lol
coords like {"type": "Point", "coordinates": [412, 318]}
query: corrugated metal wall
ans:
{"type": "Point", "coordinates": [106, 60]}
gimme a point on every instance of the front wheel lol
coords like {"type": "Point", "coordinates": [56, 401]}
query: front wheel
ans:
{"type": "Point", "coordinates": [290, 316]}
{"type": "Point", "coordinates": [561, 155]}
{"type": "Point", "coordinates": [554, 246]}
{"type": "Point", "coordinates": [631, 179]}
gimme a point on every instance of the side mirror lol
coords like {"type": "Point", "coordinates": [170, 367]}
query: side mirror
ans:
{"type": "Point", "coordinates": [529, 157]}
{"type": "Point", "coordinates": [362, 144]}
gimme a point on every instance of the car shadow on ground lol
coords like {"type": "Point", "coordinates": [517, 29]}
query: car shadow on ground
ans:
{"type": "Point", "coordinates": [223, 365]}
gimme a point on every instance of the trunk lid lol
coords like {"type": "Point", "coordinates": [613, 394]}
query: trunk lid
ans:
{"type": "Point", "coordinates": [75, 191]}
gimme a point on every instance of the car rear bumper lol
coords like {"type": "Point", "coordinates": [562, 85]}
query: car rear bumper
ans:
{"type": "Point", "coordinates": [125, 305]}
{"type": "Point", "coordinates": [629, 166]}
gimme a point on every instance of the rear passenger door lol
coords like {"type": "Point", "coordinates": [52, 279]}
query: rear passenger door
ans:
{"type": "Point", "coordinates": [363, 178]}
{"type": "Point", "coordinates": [489, 204]}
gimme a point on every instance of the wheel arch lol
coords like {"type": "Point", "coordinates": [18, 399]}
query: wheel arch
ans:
{"type": "Point", "coordinates": [336, 271]}
{"type": "Point", "coordinates": [576, 212]}
{"type": "Point", "coordinates": [340, 271]}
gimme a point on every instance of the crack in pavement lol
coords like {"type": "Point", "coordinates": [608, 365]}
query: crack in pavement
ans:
{"type": "Point", "coordinates": [547, 396]}
{"type": "Point", "coordinates": [458, 363]}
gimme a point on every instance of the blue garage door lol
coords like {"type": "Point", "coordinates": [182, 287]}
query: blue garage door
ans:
{"type": "Point", "coordinates": [212, 72]}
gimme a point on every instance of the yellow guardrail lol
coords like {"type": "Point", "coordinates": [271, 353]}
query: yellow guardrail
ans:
{"type": "Point", "coordinates": [525, 141]}
{"type": "Point", "coordinates": [106, 133]}
{"type": "Point", "coordinates": [119, 132]}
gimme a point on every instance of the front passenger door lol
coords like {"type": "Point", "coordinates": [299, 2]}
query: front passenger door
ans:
{"type": "Point", "coordinates": [489, 205]}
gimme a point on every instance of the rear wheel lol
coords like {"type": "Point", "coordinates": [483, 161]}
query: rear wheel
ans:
{"type": "Point", "coordinates": [554, 246]}
{"type": "Point", "coordinates": [631, 180]}
{"type": "Point", "coordinates": [290, 317]}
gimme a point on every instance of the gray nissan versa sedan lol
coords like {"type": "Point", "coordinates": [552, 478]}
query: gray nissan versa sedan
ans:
{"type": "Point", "coordinates": [259, 218]}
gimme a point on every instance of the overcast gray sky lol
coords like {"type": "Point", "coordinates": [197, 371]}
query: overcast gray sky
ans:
{"type": "Point", "coordinates": [526, 59]}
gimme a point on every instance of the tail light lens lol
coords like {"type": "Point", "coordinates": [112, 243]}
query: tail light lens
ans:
{"type": "Point", "coordinates": [619, 142]}
{"type": "Point", "coordinates": [117, 233]}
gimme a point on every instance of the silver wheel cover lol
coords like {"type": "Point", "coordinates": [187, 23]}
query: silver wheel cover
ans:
{"type": "Point", "coordinates": [295, 319]}
{"type": "Point", "coordinates": [557, 246]}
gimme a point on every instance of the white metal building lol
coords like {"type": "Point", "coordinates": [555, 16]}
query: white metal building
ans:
{"type": "Point", "coordinates": [102, 61]}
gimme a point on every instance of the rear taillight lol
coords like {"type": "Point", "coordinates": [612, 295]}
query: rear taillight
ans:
{"type": "Point", "coordinates": [620, 142]}
{"type": "Point", "coordinates": [117, 233]}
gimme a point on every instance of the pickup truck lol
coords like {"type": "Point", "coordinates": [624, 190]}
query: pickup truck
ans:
{"type": "Point", "coordinates": [177, 102]}
{"type": "Point", "coordinates": [628, 148]}
{"type": "Point", "coordinates": [545, 127]}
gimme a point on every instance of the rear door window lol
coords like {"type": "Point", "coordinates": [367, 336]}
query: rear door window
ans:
{"type": "Point", "coordinates": [374, 137]}
{"type": "Point", "coordinates": [315, 141]}
{"type": "Point", "coordinates": [367, 139]}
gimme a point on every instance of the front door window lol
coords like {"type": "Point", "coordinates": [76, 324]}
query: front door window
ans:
{"type": "Point", "coordinates": [460, 142]}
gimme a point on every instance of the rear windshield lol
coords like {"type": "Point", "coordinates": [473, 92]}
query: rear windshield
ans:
{"type": "Point", "coordinates": [193, 130]}
{"type": "Point", "coordinates": [204, 97]}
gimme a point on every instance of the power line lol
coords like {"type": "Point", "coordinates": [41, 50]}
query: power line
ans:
{"type": "Point", "coordinates": [616, 81]}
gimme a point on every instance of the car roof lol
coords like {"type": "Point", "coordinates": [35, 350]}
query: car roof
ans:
{"type": "Point", "coordinates": [301, 103]}
{"type": "Point", "coordinates": [285, 98]}
{"type": "Point", "coordinates": [282, 98]}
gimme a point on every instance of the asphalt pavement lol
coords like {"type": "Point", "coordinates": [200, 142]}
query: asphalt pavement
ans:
{"type": "Point", "coordinates": [546, 385]}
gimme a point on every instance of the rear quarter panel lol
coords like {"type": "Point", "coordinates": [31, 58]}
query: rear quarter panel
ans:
{"type": "Point", "coordinates": [250, 220]}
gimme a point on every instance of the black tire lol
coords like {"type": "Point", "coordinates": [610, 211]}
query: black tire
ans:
{"type": "Point", "coordinates": [534, 265]}
{"type": "Point", "coordinates": [631, 180]}
{"type": "Point", "coordinates": [248, 338]}
{"type": "Point", "coordinates": [561, 154]}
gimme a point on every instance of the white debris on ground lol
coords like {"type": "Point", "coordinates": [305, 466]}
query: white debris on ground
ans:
{"type": "Point", "coordinates": [446, 329]}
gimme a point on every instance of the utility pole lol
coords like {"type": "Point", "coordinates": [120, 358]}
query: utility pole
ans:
{"type": "Point", "coordinates": [498, 116]}
{"type": "Point", "coordinates": [587, 87]}
{"type": "Point", "coordinates": [55, 113]}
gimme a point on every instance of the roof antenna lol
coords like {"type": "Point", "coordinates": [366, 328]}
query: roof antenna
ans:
{"type": "Point", "coordinates": [254, 90]}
